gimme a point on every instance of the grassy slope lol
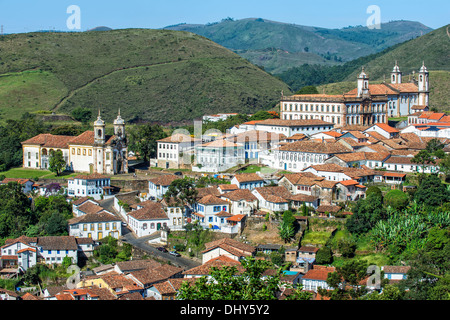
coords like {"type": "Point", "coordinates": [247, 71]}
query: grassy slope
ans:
{"type": "Point", "coordinates": [157, 75]}
{"type": "Point", "coordinates": [432, 48]}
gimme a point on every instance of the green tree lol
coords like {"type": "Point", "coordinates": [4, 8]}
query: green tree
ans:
{"type": "Point", "coordinates": [429, 274]}
{"type": "Point", "coordinates": [397, 199]}
{"type": "Point", "coordinates": [229, 283]}
{"type": "Point", "coordinates": [142, 140]}
{"type": "Point", "coordinates": [16, 214]}
{"type": "Point", "coordinates": [366, 214]}
{"type": "Point", "coordinates": [346, 247]}
{"type": "Point", "coordinates": [57, 164]}
{"type": "Point", "coordinates": [432, 192]}
{"type": "Point", "coordinates": [423, 158]}
{"type": "Point", "coordinates": [286, 230]}
{"type": "Point", "coordinates": [324, 255]}
{"type": "Point", "coordinates": [308, 90]}
{"type": "Point", "coordinates": [82, 114]}
{"type": "Point", "coordinates": [56, 225]}
{"type": "Point", "coordinates": [182, 189]}
{"type": "Point", "coordinates": [345, 281]}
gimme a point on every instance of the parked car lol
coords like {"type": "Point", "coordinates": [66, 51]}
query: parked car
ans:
{"type": "Point", "coordinates": [174, 253]}
{"type": "Point", "coordinates": [162, 249]}
{"type": "Point", "coordinates": [178, 173]}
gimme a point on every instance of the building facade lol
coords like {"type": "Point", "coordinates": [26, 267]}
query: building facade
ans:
{"type": "Point", "coordinates": [90, 152]}
{"type": "Point", "coordinates": [365, 105]}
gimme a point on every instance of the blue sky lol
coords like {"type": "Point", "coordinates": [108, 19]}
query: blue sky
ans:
{"type": "Point", "coordinates": [31, 15]}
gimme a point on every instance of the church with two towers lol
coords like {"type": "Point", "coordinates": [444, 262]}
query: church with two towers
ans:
{"type": "Point", "coordinates": [90, 152]}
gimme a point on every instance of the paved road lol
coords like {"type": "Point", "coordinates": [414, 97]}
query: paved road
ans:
{"type": "Point", "coordinates": [142, 243]}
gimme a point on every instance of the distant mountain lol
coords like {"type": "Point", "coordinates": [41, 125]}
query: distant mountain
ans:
{"type": "Point", "coordinates": [151, 75]}
{"type": "Point", "coordinates": [277, 46]}
{"type": "Point", "coordinates": [101, 28]}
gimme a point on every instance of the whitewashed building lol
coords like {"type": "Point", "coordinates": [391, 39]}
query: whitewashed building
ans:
{"type": "Point", "coordinates": [95, 226]}
{"type": "Point", "coordinates": [218, 156]}
{"type": "Point", "coordinates": [148, 218]}
{"type": "Point", "coordinates": [175, 151]}
{"type": "Point", "coordinates": [93, 185]}
{"type": "Point", "coordinates": [297, 156]}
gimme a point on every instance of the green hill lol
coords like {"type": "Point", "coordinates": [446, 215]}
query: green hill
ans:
{"type": "Point", "coordinates": [432, 48]}
{"type": "Point", "coordinates": [258, 41]}
{"type": "Point", "coordinates": [152, 75]}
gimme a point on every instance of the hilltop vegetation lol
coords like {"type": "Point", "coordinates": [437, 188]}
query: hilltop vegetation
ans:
{"type": "Point", "coordinates": [278, 46]}
{"type": "Point", "coordinates": [155, 75]}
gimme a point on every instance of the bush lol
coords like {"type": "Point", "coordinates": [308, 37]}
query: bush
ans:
{"type": "Point", "coordinates": [396, 199]}
{"type": "Point", "coordinates": [324, 256]}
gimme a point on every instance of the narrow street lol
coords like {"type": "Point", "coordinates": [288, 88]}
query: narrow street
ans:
{"type": "Point", "coordinates": [142, 243]}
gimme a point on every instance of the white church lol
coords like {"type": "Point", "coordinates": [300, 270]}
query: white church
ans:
{"type": "Point", "coordinates": [90, 152]}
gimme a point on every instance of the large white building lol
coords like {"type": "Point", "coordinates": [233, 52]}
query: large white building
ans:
{"type": "Point", "coordinates": [90, 152]}
{"type": "Point", "coordinates": [365, 105]}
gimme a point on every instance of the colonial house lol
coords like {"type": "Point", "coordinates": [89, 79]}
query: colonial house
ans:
{"type": "Point", "coordinates": [211, 212]}
{"type": "Point", "coordinates": [255, 142]}
{"type": "Point", "coordinates": [84, 206]}
{"type": "Point", "coordinates": [326, 135]}
{"type": "Point", "coordinates": [299, 155]}
{"type": "Point", "coordinates": [218, 156]}
{"type": "Point", "coordinates": [359, 159]}
{"type": "Point", "coordinates": [299, 183]}
{"type": "Point", "coordinates": [395, 273]}
{"type": "Point", "coordinates": [289, 127]}
{"type": "Point", "coordinates": [94, 185]}
{"type": "Point", "coordinates": [19, 253]}
{"type": "Point", "coordinates": [231, 248]}
{"type": "Point", "coordinates": [335, 172]}
{"type": "Point", "coordinates": [271, 199]}
{"type": "Point", "coordinates": [157, 187]}
{"type": "Point", "coordinates": [90, 152]}
{"type": "Point", "coordinates": [224, 188]}
{"type": "Point", "coordinates": [405, 164]}
{"type": "Point", "coordinates": [27, 184]}
{"type": "Point", "coordinates": [173, 152]}
{"type": "Point", "coordinates": [242, 201]}
{"type": "Point", "coordinates": [54, 249]}
{"type": "Point", "coordinates": [385, 130]}
{"type": "Point", "coordinates": [350, 190]}
{"type": "Point", "coordinates": [176, 212]}
{"type": "Point", "coordinates": [167, 290]}
{"type": "Point", "coordinates": [95, 226]}
{"type": "Point", "coordinates": [298, 200]}
{"type": "Point", "coordinates": [248, 181]}
{"type": "Point", "coordinates": [219, 261]}
{"type": "Point", "coordinates": [148, 218]}
{"type": "Point", "coordinates": [27, 251]}
{"type": "Point", "coordinates": [316, 278]}
{"type": "Point", "coordinates": [147, 278]}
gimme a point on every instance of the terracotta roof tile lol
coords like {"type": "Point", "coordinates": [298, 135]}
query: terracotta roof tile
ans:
{"type": "Point", "coordinates": [47, 140]}
{"type": "Point", "coordinates": [151, 211]}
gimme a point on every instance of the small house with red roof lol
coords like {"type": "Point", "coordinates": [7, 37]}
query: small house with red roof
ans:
{"type": "Point", "coordinates": [385, 130]}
